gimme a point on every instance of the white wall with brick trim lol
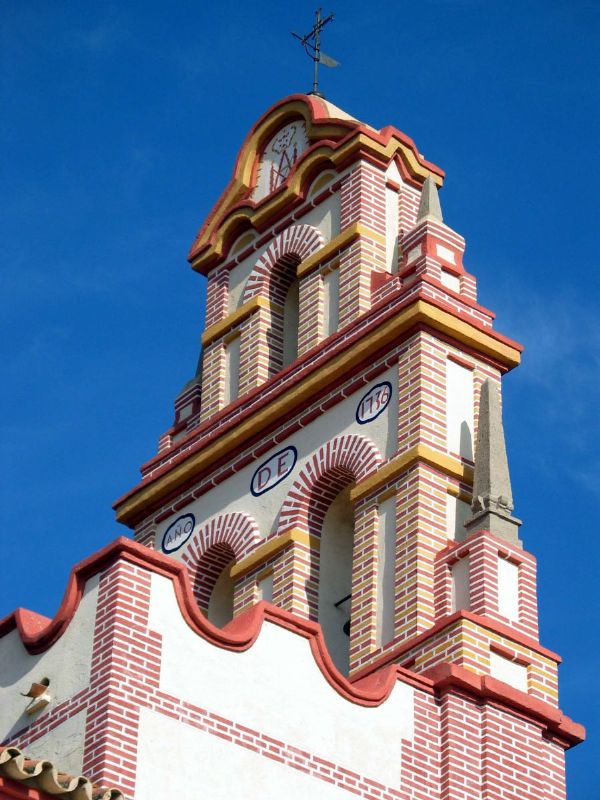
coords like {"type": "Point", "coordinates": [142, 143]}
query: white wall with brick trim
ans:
{"type": "Point", "coordinates": [195, 763]}
{"type": "Point", "coordinates": [308, 712]}
{"type": "Point", "coordinates": [234, 493]}
{"type": "Point", "coordinates": [66, 664]}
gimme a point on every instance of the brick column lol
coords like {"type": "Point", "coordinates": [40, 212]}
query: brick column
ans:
{"type": "Point", "coordinates": [420, 535]}
{"type": "Point", "coordinates": [126, 659]}
{"type": "Point", "coordinates": [362, 200]}
{"type": "Point", "coordinates": [213, 380]}
{"type": "Point", "coordinates": [311, 314]}
{"type": "Point", "coordinates": [363, 632]}
{"type": "Point", "coordinates": [217, 297]}
{"type": "Point", "coordinates": [421, 389]}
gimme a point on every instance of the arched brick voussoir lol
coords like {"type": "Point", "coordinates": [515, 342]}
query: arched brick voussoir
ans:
{"type": "Point", "coordinates": [339, 462]}
{"type": "Point", "coordinates": [297, 241]}
{"type": "Point", "coordinates": [237, 530]}
{"type": "Point", "coordinates": [223, 539]}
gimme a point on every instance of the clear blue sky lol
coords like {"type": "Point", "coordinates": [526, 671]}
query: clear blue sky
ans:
{"type": "Point", "coordinates": [119, 127]}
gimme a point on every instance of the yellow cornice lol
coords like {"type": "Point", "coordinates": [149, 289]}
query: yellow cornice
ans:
{"type": "Point", "coordinates": [298, 395]}
{"type": "Point", "coordinates": [236, 317]}
{"type": "Point", "coordinates": [337, 244]}
{"type": "Point", "coordinates": [272, 546]}
{"type": "Point", "coordinates": [419, 453]}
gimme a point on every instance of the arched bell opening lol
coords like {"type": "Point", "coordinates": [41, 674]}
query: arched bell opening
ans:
{"type": "Point", "coordinates": [213, 586]}
{"type": "Point", "coordinates": [335, 577]}
{"type": "Point", "coordinates": [284, 295]}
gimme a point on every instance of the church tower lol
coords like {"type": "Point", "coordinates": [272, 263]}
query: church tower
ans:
{"type": "Point", "coordinates": [334, 498]}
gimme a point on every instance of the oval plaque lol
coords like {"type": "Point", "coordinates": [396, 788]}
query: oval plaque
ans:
{"type": "Point", "coordinates": [374, 402]}
{"type": "Point", "coordinates": [273, 471]}
{"type": "Point", "coordinates": [178, 533]}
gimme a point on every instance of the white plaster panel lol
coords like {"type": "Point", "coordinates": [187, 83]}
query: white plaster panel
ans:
{"type": "Point", "coordinates": [232, 369]}
{"type": "Point", "coordinates": [386, 572]}
{"type": "Point", "coordinates": [63, 745]}
{"type": "Point", "coordinates": [503, 669]}
{"type": "Point", "coordinates": [461, 586]}
{"type": "Point", "coordinates": [176, 760]}
{"type": "Point", "coordinates": [508, 589]}
{"type": "Point", "coordinates": [445, 253]}
{"type": "Point", "coordinates": [239, 275]}
{"type": "Point", "coordinates": [450, 281]}
{"type": "Point", "coordinates": [457, 513]}
{"type": "Point", "coordinates": [67, 664]}
{"type": "Point", "coordinates": [459, 409]}
{"type": "Point", "coordinates": [331, 302]}
{"type": "Point", "coordinates": [234, 493]}
{"type": "Point", "coordinates": [325, 216]}
{"type": "Point", "coordinates": [392, 220]}
{"type": "Point", "coordinates": [307, 713]}
{"type": "Point", "coordinates": [279, 158]}
{"type": "Point", "coordinates": [413, 254]}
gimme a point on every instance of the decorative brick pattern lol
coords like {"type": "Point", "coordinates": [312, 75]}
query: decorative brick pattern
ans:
{"type": "Point", "coordinates": [334, 466]}
{"type": "Point", "coordinates": [362, 200]}
{"type": "Point", "coordinates": [126, 660]}
{"type": "Point", "coordinates": [226, 538]}
{"type": "Point", "coordinates": [217, 297]}
{"type": "Point", "coordinates": [421, 389]}
{"type": "Point", "coordinates": [310, 330]}
{"type": "Point", "coordinates": [297, 242]}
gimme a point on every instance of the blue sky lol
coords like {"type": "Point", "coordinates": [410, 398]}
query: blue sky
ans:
{"type": "Point", "coordinates": [119, 129]}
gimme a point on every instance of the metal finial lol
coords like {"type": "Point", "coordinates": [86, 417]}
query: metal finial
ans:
{"type": "Point", "coordinates": [312, 47]}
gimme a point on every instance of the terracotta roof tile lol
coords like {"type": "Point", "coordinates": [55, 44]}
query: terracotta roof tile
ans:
{"type": "Point", "coordinates": [43, 775]}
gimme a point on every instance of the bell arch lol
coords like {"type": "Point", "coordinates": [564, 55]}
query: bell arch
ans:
{"type": "Point", "coordinates": [319, 504]}
{"type": "Point", "coordinates": [217, 544]}
{"type": "Point", "coordinates": [335, 464]}
{"type": "Point", "coordinates": [289, 247]}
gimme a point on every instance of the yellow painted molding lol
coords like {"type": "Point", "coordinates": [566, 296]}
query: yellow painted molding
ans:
{"type": "Point", "coordinates": [272, 546]}
{"type": "Point", "coordinates": [297, 396]}
{"type": "Point", "coordinates": [216, 232]}
{"type": "Point", "coordinates": [236, 317]}
{"type": "Point", "coordinates": [339, 242]}
{"type": "Point", "coordinates": [421, 452]}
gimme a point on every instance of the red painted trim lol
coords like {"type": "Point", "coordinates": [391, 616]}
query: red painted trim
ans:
{"type": "Point", "coordinates": [461, 362]}
{"type": "Point", "coordinates": [485, 622]}
{"type": "Point", "coordinates": [240, 634]}
{"type": "Point", "coordinates": [367, 690]}
{"type": "Point", "coordinates": [449, 677]}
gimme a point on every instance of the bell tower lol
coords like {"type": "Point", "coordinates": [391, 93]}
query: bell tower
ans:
{"type": "Point", "coordinates": [340, 456]}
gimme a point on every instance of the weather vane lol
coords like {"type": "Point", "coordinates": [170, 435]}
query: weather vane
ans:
{"type": "Point", "coordinates": [312, 47]}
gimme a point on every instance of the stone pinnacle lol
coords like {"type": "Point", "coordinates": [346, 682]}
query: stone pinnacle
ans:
{"type": "Point", "coordinates": [492, 494]}
{"type": "Point", "coordinates": [429, 207]}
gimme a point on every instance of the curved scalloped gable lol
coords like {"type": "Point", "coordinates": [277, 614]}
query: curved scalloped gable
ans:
{"type": "Point", "coordinates": [318, 136]}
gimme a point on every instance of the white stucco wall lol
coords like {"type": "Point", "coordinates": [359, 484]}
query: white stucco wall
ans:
{"type": "Point", "coordinates": [503, 669]}
{"type": "Point", "coordinates": [63, 745]}
{"type": "Point", "coordinates": [177, 761]}
{"type": "Point", "coordinates": [307, 712]}
{"type": "Point", "coordinates": [67, 665]}
{"type": "Point", "coordinates": [234, 493]}
{"type": "Point", "coordinates": [508, 589]}
{"type": "Point", "coordinates": [459, 409]}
